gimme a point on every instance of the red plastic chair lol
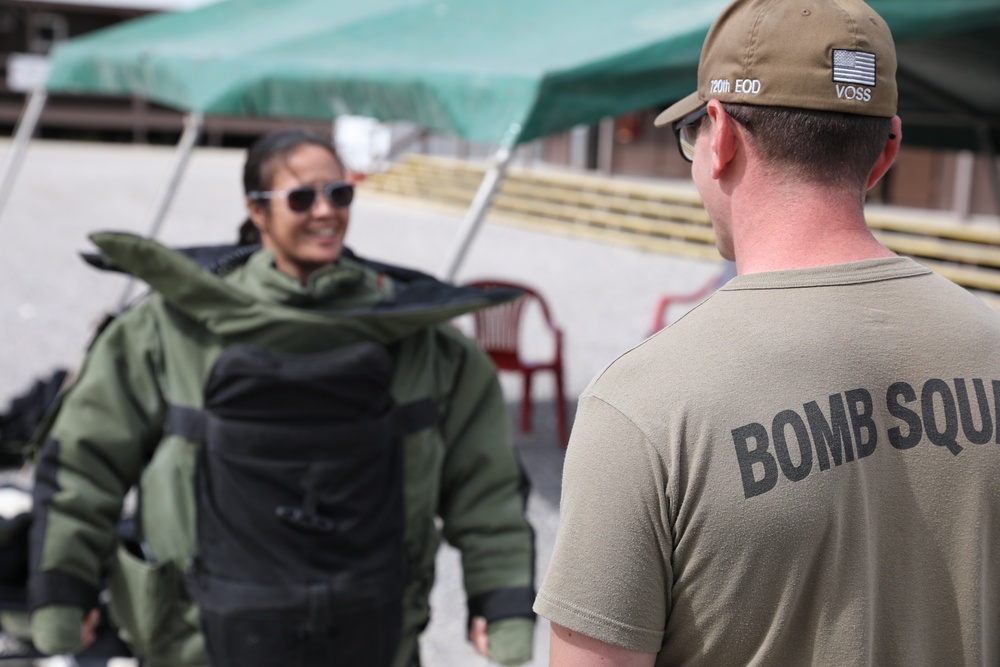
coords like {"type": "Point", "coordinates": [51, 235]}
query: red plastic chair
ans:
{"type": "Point", "coordinates": [660, 319]}
{"type": "Point", "coordinates": [497, 331]}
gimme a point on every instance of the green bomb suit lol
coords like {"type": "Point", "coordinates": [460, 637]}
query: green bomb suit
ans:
{"type": "Point", "coordinates": [110, 435]}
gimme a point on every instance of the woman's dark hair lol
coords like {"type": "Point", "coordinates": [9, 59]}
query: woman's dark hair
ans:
{"type": "Point", "coordinates": [262, 156]}
{"type": "Point", "coordinates": [248, 234]}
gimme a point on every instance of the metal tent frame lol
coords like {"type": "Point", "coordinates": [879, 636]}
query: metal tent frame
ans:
{"type": "Point", "coordinates": [193, 124]}
{"type": "Point", "coordinates": [520, 79]}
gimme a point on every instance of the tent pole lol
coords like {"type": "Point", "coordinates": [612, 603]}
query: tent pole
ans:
{"type": "Point", "coordinates": [477, 211]}
{"type": "Point", "coordinates": [26, 125]}
{"type": "Point", "coordinates": [193, 123]}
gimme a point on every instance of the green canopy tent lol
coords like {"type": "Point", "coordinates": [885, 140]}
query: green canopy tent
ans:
{"type": "Point", "coordinates": [499, 72]}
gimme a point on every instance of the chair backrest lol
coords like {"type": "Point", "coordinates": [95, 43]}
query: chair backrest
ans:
{"type": "Point", "coordinates": [661, 317]}
{"type": "Point", "coordinates": [497, 329]}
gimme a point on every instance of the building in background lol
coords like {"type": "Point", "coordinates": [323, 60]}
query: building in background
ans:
{"type": "Point", "coordinates": [957, 182]}
{"type": "Point", "coordinates": [628, 146]}
{"type": "Point", "coordinates": [29, 29]}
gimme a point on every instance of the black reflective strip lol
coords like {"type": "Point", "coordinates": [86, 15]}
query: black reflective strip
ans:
{"type": "Point", "coordinates": [45, 488]}
{"type": "Point", "coordinates": [186, 422]}
{"type": "Point", "coordinates": [503, 603]}
{"type": "Point", "coordinates": [51, 588]}
{"type": "Point", "coordinates": [416, 416]}
{"type": "Point", "coordinates": [48, 588]}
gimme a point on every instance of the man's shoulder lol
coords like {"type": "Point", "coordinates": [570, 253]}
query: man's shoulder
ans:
{"type": "Point", "coordinates": [675, 357]}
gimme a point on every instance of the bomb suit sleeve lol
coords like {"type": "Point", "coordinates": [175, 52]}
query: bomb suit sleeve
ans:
{"type": "Point", "coordinates": [484, 491]}
{"type": "Point", "coordinates": [106, 428]}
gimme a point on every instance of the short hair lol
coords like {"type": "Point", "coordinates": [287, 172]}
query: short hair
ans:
{"type": "Point", "coordinates": [263, 155]}
{"type": "Point", "coordinates": [818, 146]}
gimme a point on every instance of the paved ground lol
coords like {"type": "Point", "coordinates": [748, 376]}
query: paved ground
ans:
{"type": "Point", "coordinates": [602, 296]}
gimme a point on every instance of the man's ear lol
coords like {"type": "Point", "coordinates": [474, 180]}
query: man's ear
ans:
{"type": "Point", "coordinates": [888, 155]}
{"type": "Point", "coordinates": [725, 138]}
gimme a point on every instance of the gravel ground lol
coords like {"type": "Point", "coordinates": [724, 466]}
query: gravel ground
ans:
{"type": "Point", "coordinates": [602, 296]}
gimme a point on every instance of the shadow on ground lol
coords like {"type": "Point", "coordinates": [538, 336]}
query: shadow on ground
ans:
{"type": "Point", "coordinates": [539, 450]}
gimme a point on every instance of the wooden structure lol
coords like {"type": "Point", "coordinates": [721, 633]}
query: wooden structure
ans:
{"type": "Point", "coordinates": [670, 218]}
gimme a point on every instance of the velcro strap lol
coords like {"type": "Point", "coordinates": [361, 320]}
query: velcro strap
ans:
{"type": "Point", "coordinates": [51, 588]}
{"type": "Point", "coordinates": [226, 597]}
{"type": "Point", "coordinates": [416, 416]}
{"type": "Point", "coordinates": [192, 423]}
{"type": "Point", "coordinates": [186, 422]}
{"type": "Point", "coordinates": [503, 603]}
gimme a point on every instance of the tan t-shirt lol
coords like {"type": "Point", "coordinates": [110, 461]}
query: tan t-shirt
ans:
{"type": "Point", "coordinates": [804, 470]}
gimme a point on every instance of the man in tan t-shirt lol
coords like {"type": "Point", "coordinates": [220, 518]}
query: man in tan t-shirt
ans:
{"type": "Point", "coordinates": [805, 469]}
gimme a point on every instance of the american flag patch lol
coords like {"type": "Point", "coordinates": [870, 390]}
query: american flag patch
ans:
{"type": "Point", "coordinates": [856, 67]}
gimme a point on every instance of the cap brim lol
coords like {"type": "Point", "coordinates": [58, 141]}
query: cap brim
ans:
{"type": "Point", "coordinates": [677, 111]}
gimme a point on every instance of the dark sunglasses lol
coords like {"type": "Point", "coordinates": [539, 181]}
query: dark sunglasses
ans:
{"type": "Point", "coordinates": [686, 130]}
{"type": "Point", "coordinates": [301, 199]}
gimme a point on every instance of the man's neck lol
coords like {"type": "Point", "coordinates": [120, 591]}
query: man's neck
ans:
{"type": "Point", "coordinates": [800, 226]}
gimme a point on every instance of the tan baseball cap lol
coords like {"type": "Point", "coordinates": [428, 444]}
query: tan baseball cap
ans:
{"type": "Point", "coordinates": [827, 55]}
